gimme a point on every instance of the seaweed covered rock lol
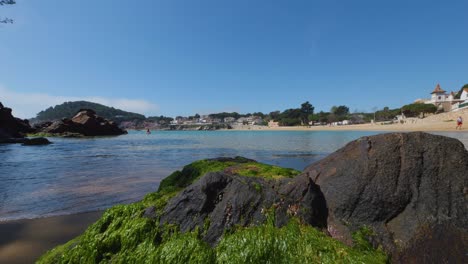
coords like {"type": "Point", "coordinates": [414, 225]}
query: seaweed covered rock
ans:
{"type": "Point", "coordinates": [154, 231]}
{"type": "Point", "coordinates": [408, 187]}
{"type": "Point", "coordinates": [85, 123]}
{"type": "Point", "coordinates": [224, 200]}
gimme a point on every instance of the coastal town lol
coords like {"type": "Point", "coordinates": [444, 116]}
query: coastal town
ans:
{"type": "Point", "coordinates": [439, 111]}
{"type": "Point", "coordinates": [442, 106]}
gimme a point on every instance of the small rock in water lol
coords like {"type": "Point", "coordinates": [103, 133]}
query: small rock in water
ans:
{"type": "Point", "coordinates": [36, 141]}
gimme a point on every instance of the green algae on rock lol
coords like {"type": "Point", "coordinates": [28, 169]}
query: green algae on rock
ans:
{"type": "Point", "coordinates": [135, 233]}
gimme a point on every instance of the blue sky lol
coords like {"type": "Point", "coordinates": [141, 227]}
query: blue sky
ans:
{"type": "Point", "coordinates": [184, 57]}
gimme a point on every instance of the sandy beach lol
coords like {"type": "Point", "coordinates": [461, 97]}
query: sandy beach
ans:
{"type": "Point", "coordinates": [427, 127]}
{"type": "Point", "coordinates": [445, 122]}
{"type": "Point", "coordinates": [23, 241]}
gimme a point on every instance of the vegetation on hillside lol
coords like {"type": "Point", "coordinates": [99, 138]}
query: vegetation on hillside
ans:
{"type": "Point", "coordinates": [293, 116]}
{"type": "Point", "coordinates": [387, 114]}
{"type": "Point", "coordinates": [162, 120]}
{"type": "Point", "coordinates": [123, 235]}
{"type": "Point", "coordinates": [235, 115]}
{"type": "Point", "coordinates": [69, 109]}
{"type": "Point", "coordinates": [418, 109]}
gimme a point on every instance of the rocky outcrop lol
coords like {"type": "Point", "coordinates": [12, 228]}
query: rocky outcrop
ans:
{"type": "Point", "coordinates": [410, 188]}
{"type": "Point", "coordinates": [13, 130]}
{"type": "Point", "coordinates": [84, 123]}
{"type": "Point", "coordinates": [223, 201]}
{"type": "Point", "coordinates": [36, 141]}
{"type": "Point", "coordinates": [11, 127]}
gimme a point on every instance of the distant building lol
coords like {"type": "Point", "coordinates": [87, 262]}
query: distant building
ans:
{"type": "Point", "coordinates": [439, 96]}
{"type": "Point", "coordinates": [229, 119]}
{"type": "Point", "coordinates": [242, 121]}
{"type": "Point", "coordinates": [444, 101]}
{"type": "Point", "coordinates": [216, 120]}
{"type": "Point", "coordinates": [256, 120]}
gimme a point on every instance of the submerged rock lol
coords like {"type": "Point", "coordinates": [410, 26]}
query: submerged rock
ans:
{"type": "Point", "coordinates": [85, 123]}
{"type": "Point", "coordinates": [408, 187]}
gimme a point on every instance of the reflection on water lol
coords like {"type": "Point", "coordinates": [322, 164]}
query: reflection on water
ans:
{"type": "Point", "coordinates": [79, 175]}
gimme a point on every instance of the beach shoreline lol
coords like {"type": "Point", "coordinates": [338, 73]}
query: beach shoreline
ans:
{"type": "Point", "coordinates": [25, 240]}
{"type": "Point", "coordinates": [427, 127]}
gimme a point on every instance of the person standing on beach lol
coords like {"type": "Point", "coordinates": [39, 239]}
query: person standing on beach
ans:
{"type": "Point", "coordinates": [459, 123]}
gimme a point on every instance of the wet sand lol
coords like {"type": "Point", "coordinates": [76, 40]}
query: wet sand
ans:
{"type": "Point", "coordinates": [24, 241]}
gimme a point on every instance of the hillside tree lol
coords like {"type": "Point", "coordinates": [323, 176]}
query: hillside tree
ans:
{"type": "Point", "coordinates": [306, 110]}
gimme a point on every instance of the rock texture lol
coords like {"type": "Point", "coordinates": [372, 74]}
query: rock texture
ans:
{"type": "Point", "coordinates": [218, 201]}
{"type": "Point", "coordinates": [36, 141]}
{"type": "Point", "coordinates": [11, 127]}
{"type": "Point", "coordinates": [84, 123]}
{"type": "Point", "coordinates": [411, 188]}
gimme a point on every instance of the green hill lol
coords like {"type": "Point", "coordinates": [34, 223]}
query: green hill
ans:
{"type": "Point", "coordinates": [68, 109]}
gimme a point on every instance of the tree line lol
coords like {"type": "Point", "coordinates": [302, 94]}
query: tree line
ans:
{"type": "Point", "coordinates": [302, 115]}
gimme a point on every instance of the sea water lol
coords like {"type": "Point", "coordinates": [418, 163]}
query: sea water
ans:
{"type": "Point", "coordinates": [80, 175]}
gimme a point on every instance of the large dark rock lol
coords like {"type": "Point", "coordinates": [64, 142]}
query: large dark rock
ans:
{"type": "Point", "coordinates": [410, 188]}
{"type": "Point", "coordinates": [36, 141]}
{"type": "Point", "coordinates": [85, 123]}
{"type": "Point", "coordinates": [220, 201]}
{"type": "Point", "coordinates": [11, 127]}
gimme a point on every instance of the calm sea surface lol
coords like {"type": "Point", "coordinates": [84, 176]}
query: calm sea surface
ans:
{"type": "Point", "coordinates": [79, 175]}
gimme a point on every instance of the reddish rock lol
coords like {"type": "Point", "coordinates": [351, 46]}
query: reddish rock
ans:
{"type": "Point", "coordinates": [85, 123]}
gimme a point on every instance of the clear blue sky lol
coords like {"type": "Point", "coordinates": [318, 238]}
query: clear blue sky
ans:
{"type": "Point", "coordinates": [180, 57]}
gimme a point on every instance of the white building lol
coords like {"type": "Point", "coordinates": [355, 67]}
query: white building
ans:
{"type": "Point", "coordinates": [229, 119]}
{"type": "Point", "coordinates": [444, 101]}
{"type": "Point", "coordinates": [439, 96]}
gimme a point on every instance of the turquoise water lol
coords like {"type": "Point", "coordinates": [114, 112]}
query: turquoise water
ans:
{"type": "Point", "coordinates": [80, 175]}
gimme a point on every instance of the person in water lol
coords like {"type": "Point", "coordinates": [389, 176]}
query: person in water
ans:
{"type": "Point", "coordinates": [148, 131]}
{"type": "Point", "coordinates": [459, 123]}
